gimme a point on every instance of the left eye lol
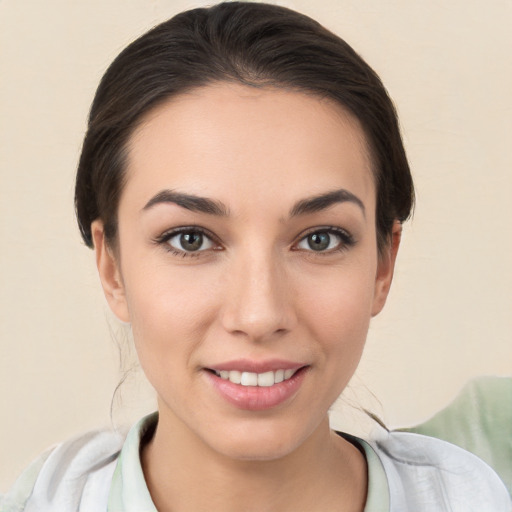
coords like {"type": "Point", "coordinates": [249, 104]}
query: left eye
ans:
{"type": "Point", "coordinates": [321, 241]}
{"type": "Point", "coordinates": [190, 241]}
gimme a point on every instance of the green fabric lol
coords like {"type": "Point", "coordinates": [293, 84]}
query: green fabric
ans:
{"type": "Point", "coordinates": [377, 499]}
{"type": "Point", "coordinates": [128, 491]}
{"type": "Point", "coordinates": [480, 421]}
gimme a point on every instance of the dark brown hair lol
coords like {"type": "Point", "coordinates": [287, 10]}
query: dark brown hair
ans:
{"type": "Point", "coordinates": [251, 43]}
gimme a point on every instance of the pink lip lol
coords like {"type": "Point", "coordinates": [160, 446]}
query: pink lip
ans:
{"type": "Point", "coordinates": [256, 398]}
{"type": "Point", "coordinates": [247, 365]}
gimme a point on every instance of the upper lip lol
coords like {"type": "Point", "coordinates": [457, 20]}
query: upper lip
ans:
{"type": "Point", "coordinates": [254, 366]}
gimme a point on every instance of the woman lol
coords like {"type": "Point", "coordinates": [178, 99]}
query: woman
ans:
{"type": "Point", "coordinates": [243, 183]}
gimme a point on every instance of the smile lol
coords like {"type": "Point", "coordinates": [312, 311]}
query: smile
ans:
{"type": "Point", "coordinates": [257, 390]}
{"type": "Point", "coordinates": [265, 379]}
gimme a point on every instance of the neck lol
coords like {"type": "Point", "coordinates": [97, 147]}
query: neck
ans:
{"type": "Point", "coordinates": [183, 473]}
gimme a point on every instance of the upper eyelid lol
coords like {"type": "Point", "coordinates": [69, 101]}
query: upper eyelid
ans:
{"type": "Point", "coordinates": [170, 233]}
{"type": "Point", "coordinates": [321, 229]}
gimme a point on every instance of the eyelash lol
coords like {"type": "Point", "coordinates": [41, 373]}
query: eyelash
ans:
{"type": "Point", "coordinates": [346, 240]}
{"type": "Point", "coordinates": [168, 235]}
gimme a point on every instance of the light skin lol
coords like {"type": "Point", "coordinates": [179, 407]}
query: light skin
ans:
{"type": "Point", "coordinates": [275, 191]}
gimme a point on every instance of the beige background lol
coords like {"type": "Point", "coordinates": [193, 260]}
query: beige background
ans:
{"type": "Point", "coordinates": [448, 66]}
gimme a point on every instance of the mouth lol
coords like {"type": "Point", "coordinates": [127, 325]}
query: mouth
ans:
{"type": "Point", "coordinates": [257, 390]}
{"type": "Point", "coordinates": [265, 379]}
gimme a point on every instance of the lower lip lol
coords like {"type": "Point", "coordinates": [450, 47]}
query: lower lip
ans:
{"type": "Point", "coordinates": [257, 398]}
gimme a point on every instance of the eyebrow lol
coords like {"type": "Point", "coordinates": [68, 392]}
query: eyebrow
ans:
{"type": "Point", "coordinates": [189, 202]}
{"type": "Point", "coordinates": [211, 207]}
{"type": "Point", "coordinates": [324, 201]}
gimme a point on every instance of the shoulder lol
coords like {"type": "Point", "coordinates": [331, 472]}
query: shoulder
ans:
{"type": "Point", "coordinates": [61, 478]}
{"type": "Point", "coordinates": [426, 474]}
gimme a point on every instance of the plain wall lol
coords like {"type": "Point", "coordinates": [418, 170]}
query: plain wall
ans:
{"type": "Point", "coordinates": [449, 317]}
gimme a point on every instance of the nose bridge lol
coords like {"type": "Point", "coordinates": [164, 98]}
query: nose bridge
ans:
{"type": "Point", "coordinates": [258, 304]}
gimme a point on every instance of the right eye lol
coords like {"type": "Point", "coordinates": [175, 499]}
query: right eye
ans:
{"type": "Point", "coordinates": [190, 241]}
{"type": "Point", "coordinates": [186, 241]}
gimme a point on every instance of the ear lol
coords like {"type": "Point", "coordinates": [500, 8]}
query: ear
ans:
{"type": "Point", "coordinates": [109, 272]}
{"type": "Point", "coordinates": [385, 269]}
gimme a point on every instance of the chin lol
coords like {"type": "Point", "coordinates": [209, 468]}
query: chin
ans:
{"type": "Point", "coordinates": [257, 451]}
{"type": "Point", "coordinates": [260, 441]}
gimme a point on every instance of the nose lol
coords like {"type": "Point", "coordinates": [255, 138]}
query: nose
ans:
{"type": "Point", "coordinates": [258, 304]}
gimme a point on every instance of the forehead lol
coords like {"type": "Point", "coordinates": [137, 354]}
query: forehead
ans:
{"type": "Point", "coordinates": [224, 140]}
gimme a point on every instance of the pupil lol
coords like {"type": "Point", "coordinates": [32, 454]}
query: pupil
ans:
{"type": "Point", "coordinates": [191, 241]}
{"type": "Point", "coordinates": [319, 241]}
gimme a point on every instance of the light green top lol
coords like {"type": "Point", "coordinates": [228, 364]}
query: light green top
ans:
{"type": "Point", "coordinates": [128, 491]}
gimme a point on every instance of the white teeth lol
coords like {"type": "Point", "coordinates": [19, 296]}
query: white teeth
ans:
{"type": "Point", "coordinates": [265, 379]}
{"type": "Point", "coordinates": [249, 379]}
{"type": "Point", "coordinates": [288, 374]}
{"type": "Point", "coordinates": [235, 377]}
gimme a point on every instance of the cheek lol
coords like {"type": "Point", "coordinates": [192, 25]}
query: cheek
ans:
{"type": "Point", "coordinates": [338, 315]}
{"type": "Point", "coordinates": [170, 311]}
{"type": "Point", "coordinates": [340, 305]}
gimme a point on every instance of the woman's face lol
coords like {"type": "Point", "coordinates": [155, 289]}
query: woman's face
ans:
{"type": "Point", "coordinates": [247, 255]}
